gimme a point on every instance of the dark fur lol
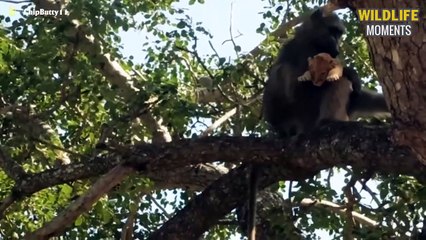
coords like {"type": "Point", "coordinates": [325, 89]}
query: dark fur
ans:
{"type": "Point", "coordinates": [293, 107]}
{"type": "Point", "coordinates": [364, 102]}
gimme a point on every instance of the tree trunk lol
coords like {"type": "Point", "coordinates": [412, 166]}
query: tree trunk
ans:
{"type": "Point", "coordinates": [400, 63]}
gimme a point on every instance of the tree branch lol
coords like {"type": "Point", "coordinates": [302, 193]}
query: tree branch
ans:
{"type": "Point", "coordinates": [212, 204]}
{"type": "Point", "coordinates": [192, 178]}
{"type": "Point", "coordinates": [219, 122]}
{"type": "Point", "coordinates": [207, 208]}
{"type": "Point", "coordinates": [341, 210]}
{"type": "Point", "coordinates": [360, 145]}
{"type": "Point", "coordinates": [356, 144]}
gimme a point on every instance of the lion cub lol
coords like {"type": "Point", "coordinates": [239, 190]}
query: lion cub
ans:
{"type": "Point", "coordinates": [322, 67]}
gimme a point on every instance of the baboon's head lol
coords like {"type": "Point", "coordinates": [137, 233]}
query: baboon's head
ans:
{"type": "Point", "coordinates": [324, 31]}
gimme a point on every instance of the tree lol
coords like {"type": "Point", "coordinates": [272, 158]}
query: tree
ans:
{"type": "Point", "coordinates": [90, 139]}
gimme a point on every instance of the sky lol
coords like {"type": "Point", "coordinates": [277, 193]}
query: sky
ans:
{"type": "Point", "coordinates": [216, 18]}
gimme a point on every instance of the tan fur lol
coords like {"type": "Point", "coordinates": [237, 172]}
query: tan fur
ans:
{"type": "Point", "coordinates": [322, 67]}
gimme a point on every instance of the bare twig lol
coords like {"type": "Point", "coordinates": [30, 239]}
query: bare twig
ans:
{"type": "Point", "coordinates": [53, 146]}
{"type": "Point", "coordinates": [339, 209]}
{"type": "Point", "coordinates": [372, 194]}
{"type": "Point", "coordinates": [216, 54]}
{"type": "Point", "coordinates": [127, 230]}
{"type": "Point", "coordinates": [165, 213]}
{"type": "Point", "coordinates": [219, 122]}
{"type": "Point", "coordinates": [230, 32]}
{"type": "Point", "coordinates": [228, 115]}
{"type": "Point", "coordinates": [350, 202]}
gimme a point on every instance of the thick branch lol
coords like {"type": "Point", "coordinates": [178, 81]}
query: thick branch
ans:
{"type": "Point", "coordinates": [340, 144]}
{"type": "Point", "coordinates": [271, 206]}
{"type": "Point", "coordinates": [192, 178]}
{"type": "Point", "coordinates": [355, 144]}
{"type": "Point", "coordinates": [207, 208]}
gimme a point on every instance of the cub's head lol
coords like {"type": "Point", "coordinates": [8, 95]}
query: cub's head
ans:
{"type": "Point", "coordinates": [319, 67]}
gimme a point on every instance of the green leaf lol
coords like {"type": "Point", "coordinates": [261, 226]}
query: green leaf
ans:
{"type": "Point", "coordinates": [181, 24]}
{"type": "Point", "coordinates": [79, 221]}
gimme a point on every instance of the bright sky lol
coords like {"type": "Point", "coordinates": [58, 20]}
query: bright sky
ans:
{"type": "Point", "coordinates": [215, 15]}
